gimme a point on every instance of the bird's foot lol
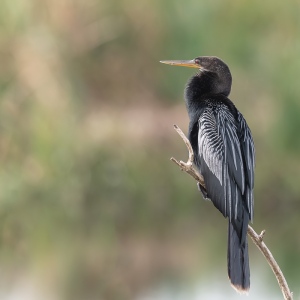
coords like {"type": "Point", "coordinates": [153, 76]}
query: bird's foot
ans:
{"type": "Point", "coordinates": [203, 191]}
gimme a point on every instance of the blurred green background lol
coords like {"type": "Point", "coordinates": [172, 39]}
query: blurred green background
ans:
{"type": "Point", "coordinates": [91, 206]}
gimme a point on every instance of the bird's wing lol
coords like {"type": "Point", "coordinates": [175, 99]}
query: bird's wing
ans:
{"type": "Point", "coordinates": [248, 152]}
{"type": "Point", "coordinates": [222, 160]}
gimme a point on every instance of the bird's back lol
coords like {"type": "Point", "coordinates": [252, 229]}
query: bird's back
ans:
{"type": "Point", "coordinates": [217, 132]}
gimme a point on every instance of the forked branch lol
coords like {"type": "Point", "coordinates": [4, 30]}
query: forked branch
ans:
{"type": "Point", "coordinates": [256, 238]}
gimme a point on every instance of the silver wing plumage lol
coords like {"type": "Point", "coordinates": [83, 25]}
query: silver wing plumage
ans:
{"type": "Point", "coordinates": [226, 153]}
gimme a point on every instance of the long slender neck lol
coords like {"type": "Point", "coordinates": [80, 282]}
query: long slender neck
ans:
{"type": "Point", "coordinates": [202, 84]}
{"type": "Point", "coordinates": [205, 83]}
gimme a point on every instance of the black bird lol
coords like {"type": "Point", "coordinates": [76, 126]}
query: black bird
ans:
{"type": "Point", "coordinates": [224, 154]}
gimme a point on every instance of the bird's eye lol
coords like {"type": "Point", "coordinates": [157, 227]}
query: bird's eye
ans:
{"type": "Point", "coordinates": [197, 61]}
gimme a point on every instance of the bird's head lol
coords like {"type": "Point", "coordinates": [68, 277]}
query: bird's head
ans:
{"type": "Point", "coordinates": [208, 66]}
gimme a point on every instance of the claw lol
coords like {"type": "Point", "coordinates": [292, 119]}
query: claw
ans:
{"type": "Point", "coordinates": [203, 191]}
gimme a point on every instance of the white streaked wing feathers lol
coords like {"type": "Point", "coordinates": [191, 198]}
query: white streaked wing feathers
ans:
{"type": "Point", "coordinates": [221, 149]}
{"type": "Point", "coordinates": [211, 144]}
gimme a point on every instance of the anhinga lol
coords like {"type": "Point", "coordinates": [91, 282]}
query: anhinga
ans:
{"type": "Point", "coordinates": [224, 154]}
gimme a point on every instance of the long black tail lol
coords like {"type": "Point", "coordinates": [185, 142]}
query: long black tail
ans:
{"type": "Point", "coordinates": [237, 256]}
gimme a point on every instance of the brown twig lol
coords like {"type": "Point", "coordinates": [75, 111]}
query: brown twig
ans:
{"type": "Point", "coordinates": [256, 238]}
{"type": "Point", "coordinates": [258, 241]}
{"type": "Point", "coordinates": [188, 166]}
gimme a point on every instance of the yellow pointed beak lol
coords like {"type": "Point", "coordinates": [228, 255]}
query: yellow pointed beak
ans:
{"type": "Point", "coordinates": [181, 63]}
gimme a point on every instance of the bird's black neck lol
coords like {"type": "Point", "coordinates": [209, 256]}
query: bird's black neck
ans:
{"type": "Point", "coordinates": [206, 84]}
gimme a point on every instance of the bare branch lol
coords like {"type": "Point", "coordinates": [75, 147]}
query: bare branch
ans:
{"type": "Point", "coordinates": [258, 241]}
{"type": "Point", "coordinates": [188, 166]}
{"type": "Point", "coordinates": [187, 143]}
{"type": "Point", "coordinates": [256, 238]}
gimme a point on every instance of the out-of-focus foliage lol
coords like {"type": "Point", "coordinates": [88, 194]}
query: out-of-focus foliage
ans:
{"type": "Point", "coordinates": [90, 206]}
